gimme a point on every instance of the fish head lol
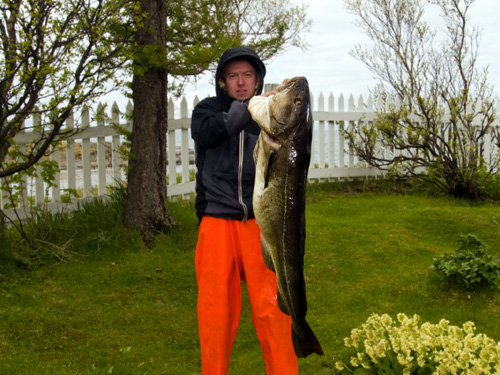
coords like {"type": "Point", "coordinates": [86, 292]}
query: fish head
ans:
{"type": "Point", "coordinates": [286, 115]}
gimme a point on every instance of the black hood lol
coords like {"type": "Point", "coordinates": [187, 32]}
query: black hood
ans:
{"type": "Point", "coordinates": [243, 53]}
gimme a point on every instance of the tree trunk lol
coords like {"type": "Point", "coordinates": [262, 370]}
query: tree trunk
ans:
{"type": "Point", "coordinates": [146, 208]}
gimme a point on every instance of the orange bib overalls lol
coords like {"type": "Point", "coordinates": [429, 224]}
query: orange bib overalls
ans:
{"type": "Point", "coordinates": [227, 252]}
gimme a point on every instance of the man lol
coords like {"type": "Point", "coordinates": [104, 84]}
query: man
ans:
{"type": "Point", "coordinates": [228, 248]}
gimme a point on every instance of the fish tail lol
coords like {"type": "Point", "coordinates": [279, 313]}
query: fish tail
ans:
{"type": "Point", "coordinates": [305, 342]}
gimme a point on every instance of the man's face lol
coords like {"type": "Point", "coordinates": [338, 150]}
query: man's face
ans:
{"type": "Point", "coordinates": [240, 79]}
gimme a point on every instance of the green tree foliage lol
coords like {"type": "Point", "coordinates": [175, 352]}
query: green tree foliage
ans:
{"type": "Point", "coordinates": [59, 54]}
{"type": "Point", "coordinates": [198, 32]}
{"type": "Point", "coordinates": [54, 55]}
{"type": "Point", "coordinates": [443, 108]}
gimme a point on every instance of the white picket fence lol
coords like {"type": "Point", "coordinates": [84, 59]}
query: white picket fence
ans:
{"type": "Point", "coordinates": [91, 160]}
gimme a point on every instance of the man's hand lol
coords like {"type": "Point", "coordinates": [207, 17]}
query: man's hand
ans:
{"type": "Point", "coordinates": [269, 93]}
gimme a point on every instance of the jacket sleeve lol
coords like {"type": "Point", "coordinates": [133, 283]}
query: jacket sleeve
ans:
{"type": "Point", "coordinates": [211, 126]}
{"type": "Point", "coordinates": [237, 118]}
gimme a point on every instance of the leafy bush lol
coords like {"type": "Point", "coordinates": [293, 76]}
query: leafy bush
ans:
{"type": "Point", "coordinates": [470, 266]}
{"type": "Point", "coordinates": [384, 347]}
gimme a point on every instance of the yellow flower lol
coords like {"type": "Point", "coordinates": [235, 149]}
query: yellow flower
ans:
{"type": "Point", "coordinates": [401, 317]}
{"type": "Point", "coordinates": [451, 349]}
{"type": "Point", "coordinates": [354, 362]}
{"type": "Point", "coordinates": [348, 342]}
{"type": "Point", "coordinates": [386, 320]}
{"type": "Point", "coordinates": [443, 323]}
{"type": "Point", "coordinates": [355, 335]}
{"type": "Point", "coordinates": [380, 349]}
{"type": "Point", "coordinates": [403, 360]}
{"type": "Point", "coordinates": [469, 328]}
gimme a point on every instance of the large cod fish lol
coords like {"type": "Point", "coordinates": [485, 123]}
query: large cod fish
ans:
{"type": "Point", "coordinates": [282, 156]}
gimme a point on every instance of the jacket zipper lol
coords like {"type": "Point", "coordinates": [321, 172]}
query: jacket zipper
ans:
{"type": "Point", "coordinates": [240, 176]}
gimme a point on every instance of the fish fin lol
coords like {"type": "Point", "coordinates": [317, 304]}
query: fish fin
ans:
{"type": "Point", "coordinates": [266, 254]}
{"type": "Point", "coordinates": [309, 139]}
{"type": "Point", "coordinates": [269, 162]}
{"type": "Point", "coordinates": [306, 343]}
{"type": "Point", "coordinates": [256, 152]}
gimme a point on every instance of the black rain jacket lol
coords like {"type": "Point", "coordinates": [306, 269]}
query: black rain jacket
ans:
{"type": "Point", "coordinates": [225, 136]}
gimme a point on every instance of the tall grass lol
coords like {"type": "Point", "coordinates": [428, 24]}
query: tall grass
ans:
{"type": "Point", "coordinates": [116, 308]}
{"type": "Point", "coordinates": [46, 238]}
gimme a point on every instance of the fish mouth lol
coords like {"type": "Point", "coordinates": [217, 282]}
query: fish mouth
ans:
{"type": "Point", "coordinates": [271, 141]}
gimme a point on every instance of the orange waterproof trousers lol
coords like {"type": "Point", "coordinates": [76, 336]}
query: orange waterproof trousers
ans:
{"type": "Point", "coordinates": [227, 252]}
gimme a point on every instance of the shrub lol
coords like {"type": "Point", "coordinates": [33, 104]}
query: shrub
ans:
{"type": "Point", "coordinates": [384, 346]}
{"type": "Point", "coordinates": [469, 267]}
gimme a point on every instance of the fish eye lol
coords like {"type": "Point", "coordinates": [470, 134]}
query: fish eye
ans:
{"type": "Point", "coordinates": [298, 102]}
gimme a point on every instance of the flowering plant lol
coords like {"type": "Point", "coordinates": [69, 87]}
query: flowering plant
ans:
{"type": "Point", "coordinates": [385, 346]}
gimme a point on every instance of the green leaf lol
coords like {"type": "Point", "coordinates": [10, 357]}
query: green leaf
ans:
{"type": "Point", "coordinates": [426, 370]}
{"type": "Point", "coordinates": [364, 371]}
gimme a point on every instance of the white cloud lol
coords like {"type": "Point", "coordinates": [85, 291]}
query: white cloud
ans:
{"type": "Point", "coordinates": [330, 69]}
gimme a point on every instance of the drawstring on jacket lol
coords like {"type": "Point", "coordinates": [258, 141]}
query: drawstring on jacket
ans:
{"type": "Point", "coordinates": [240, 176]}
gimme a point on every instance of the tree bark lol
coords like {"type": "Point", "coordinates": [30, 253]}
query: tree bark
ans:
{"type": "Point", "coordinates": [146, 207]}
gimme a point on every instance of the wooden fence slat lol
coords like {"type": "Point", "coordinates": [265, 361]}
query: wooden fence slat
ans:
{"type": "Point", "coordinates": [101, 154]}
{"type": "Point", "coordinates": [172, 165]}
{"type": "Point", "coordinates": [116, 155]}
{"type": "Point", "coordinates": [56, 191]}
{"type": "Point", "coordinates": [38, 183]}
{"type": "Point", "coordinates": [86, 150]}
{"type": "Point", "coordinates": [70, 155]}
{"type": "Point", "coordinates": [184, 143]}
{"type": "Point", "coordinates": [350, 152]}
{"type": "Point", "coordinates": [341, 144]}
{"type": "Point", "coordinates": [321, 133]}
{"type": "Point", "coordinates": [39, 191]}
{"type": "Point", "coordinates": [331, 135]}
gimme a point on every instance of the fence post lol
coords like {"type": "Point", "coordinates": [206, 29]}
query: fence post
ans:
{"type": "Point", "coordinates": [361, 109]}
{"type": "Point", "coordinates": [101, 153]}
{"type": "Point", "coordinates": [116, 156]}
{"type": "Point", "coordinates": [331, 135]}
{"type": "Point", "coordinates": [172, 173]}
{"type": "Point", "coordinates": [56, 191]}
{"type": "Point", "coordinates": [86, 166]}
{"type": "Point", "coordinates": [321, 133]}
{"type": "Point", "coordinates": [351, 108]}
{"type": "Point", "coordinates": [39, 193]}
{"type": "Point", "coordinates": [70, 154]}
{"type": "Point", "coordinates": [185, 145]}
{"type": "Point", "coordinates": [270, 86]}
{"type": "Point", "coordinates": [341, 134]}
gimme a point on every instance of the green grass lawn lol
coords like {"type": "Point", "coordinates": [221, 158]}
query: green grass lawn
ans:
{"type": "Point", "coordinates": [114, 307]}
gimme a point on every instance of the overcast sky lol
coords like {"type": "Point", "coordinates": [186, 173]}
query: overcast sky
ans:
{"type": "Point", "coordinates": [330, 69]}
